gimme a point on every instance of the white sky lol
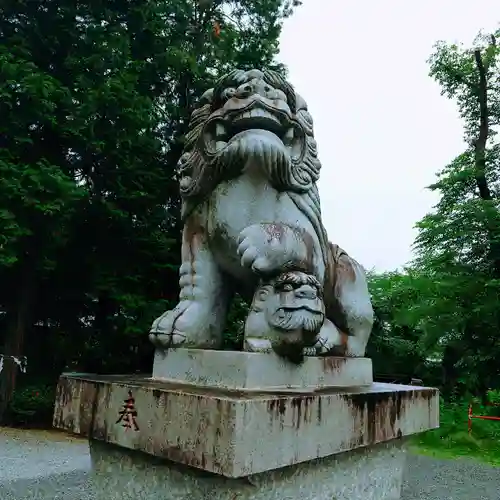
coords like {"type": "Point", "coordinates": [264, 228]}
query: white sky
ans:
{"type": "Point", "coordinates": [382, 127]}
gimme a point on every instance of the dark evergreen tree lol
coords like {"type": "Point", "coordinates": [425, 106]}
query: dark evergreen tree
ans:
{"type": "Point", "coordinates": [94, 102]}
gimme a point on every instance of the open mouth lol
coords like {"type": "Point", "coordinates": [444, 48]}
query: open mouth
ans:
{"type": "Point", "coordinates": [257, 118]}
{"type": "Point", "coordinates": [220, 131]}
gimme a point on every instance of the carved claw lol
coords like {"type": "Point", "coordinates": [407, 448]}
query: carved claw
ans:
{"type": "Point", "coordinates": [265, 346]}
{"type": "Point", "coordinates": [310, 351]}
{"type": "Point", "coordinates": [260, 251]}
{"type": "Point", "coordinates": [329, 338]}
{"type": "Point", "coordinates": [187, 323]}
{"type": "Point", "coordinates": [250, 250]}
{"type": "Point", "coordinates": [320, 348]}
{"type": "Point", "coordinates": [162, 332]}
{"type": "Point", "coordinates": [253, 344]}
{"type": "Point", "coordinates": [165, 341]}
{"type": "Point", "coordinates": [333, 342]}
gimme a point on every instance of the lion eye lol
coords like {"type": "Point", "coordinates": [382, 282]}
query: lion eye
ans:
{"type": "Point", "coordinates": [228, 93]}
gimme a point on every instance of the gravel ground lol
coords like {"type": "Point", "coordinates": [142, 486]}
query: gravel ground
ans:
{"type": "Point", "coordinates": [431, 479]}
{"type": "Point", "coordinates": [53, 466]}
{"type": "Point", "coordinates": [26, 454]}
{"type": "Point", "coordinates": [43, 465]}
{"type": "Point", "coordinates": [66, 486]}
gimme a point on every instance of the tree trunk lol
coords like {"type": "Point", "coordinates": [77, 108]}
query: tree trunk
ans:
{"type": "Point", "coordinates": [18, 321]}
{"type": "Point", "coordinates": [480, 163]}
{"type": "Point", "coordinates": [450, 387]}
{"type": "Point", "coordinates": [99, 354]}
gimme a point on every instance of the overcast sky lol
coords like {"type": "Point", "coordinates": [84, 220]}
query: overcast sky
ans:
{"type": "Point", "coordinates": [382, 127]}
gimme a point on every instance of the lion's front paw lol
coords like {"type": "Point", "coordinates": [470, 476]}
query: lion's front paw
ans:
{"type": "Point", "coordinates": [332, 341]}
{"type": "Point", "coordinates": [329, 339]}
{"type": "Point", "coordinates": [163, 332]}
{"type": "Point", "coordinates": [187, 325]}
{"type": "Point", "coordinates": [262, 250]}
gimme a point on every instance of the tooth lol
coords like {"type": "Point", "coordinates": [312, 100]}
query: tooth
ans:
{"type": "Point", "coordinates": [220, 130]}
{"type": "Point", "coordinates": [288, 137]}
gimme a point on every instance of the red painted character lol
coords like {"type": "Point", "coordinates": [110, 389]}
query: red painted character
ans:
{"type": "Point", "coordinates": [128, 414]}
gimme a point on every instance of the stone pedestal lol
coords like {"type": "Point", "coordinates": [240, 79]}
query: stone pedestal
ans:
{"type": "Point", "coordinates": [374, 473]}
{"type": "Point", "coordinates": [282, 441]}
{"type": "Point", "coordinates": [253, 371]}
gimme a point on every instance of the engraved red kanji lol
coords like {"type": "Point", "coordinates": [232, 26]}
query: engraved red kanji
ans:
{"type": "Point", "coordinates": [128, 413]}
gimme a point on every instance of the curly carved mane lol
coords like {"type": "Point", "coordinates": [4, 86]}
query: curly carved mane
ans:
{"type": "Point", "coordinates": [199, 176]}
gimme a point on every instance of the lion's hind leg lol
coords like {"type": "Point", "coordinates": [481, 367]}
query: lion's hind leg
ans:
{"type": "Point", "coordinates": [348, 302]}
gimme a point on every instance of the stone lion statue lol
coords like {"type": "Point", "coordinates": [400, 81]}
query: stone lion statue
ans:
{"type": "Point", "coordinates": [251, 212]}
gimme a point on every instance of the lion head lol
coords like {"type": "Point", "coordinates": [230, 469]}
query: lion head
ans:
{"type": "Point", "coordinates": [289, 311]}
{"type": "Point", "coordinates": [249, 116]}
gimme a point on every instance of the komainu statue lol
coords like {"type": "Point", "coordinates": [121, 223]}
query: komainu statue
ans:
{"type": "Point", "coordinates": [252, 224]}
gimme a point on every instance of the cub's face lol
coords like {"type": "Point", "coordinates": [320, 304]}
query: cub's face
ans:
{"type": "Point", "coordinates": [289, 307]}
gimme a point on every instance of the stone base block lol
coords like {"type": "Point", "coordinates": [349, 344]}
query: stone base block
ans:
{"type": "Point", "coordinates": [373, 473]}
{"type": "Point", "coordinates": [236, 433]}
{"type": "Point", "coordinates": [259, 371]}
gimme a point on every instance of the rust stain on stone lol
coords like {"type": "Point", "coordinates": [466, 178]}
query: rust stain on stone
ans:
{"type": "Point", "coordinates": [280, 232]}
{"type": "Point", "coordinates": [333, 363]}
{"type": "Point", "coordinates": [319, 414]}
{"type": "Point", "coordinates": [206, 423]}
{"type": "Point", "coordinates": [302, 407]}
{"type": "Point", "coordinates": [66, 410]}
{"type": "Point", "coordinates": [223, 408]}
{"type": "Point", "coordinates": [304, 238]}
{"type": "Point", "coordinates": [192, 458]}
{"type": "Point", "coordinates": [277, 406]}
{"type": "Point", "coordinates": [193, 237]}
{"type": "Point", "coordinates": [343, 265]}
{"type": "Point", "coordinates": [274, 230]}
{"type": "Point", "coordinates": [426, 394]}
{"type": "Point", "coordinates": [381, 413]}
{"type": "Point", "coordinates": [63, 396]}
{"type": "Point", "coordinates": [221, 414]}
{"type": "Point", "coordinates": [376, 410]}
{"type": "Point", "coordinates": [76, 406]}
{"type": "Point", "coordinates": [310, 248]}
{"type": "Point", "coordinates": [101, 403]}
{"type": "Point", "coordinates": [63, 392]}
{"type": "Point", "coordinates": [88, 407]}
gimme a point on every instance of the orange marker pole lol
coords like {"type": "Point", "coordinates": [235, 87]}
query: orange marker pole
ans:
{"type": "Point", "coordinates": [470, 418]}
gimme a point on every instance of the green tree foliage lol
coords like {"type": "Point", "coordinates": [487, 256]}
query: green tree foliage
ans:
{"type": "Point", "coordinates": [455, 279]}
{"type": "Point", "coordinates": [459, 244]}
{"type": "Point", "coordinates": [94, 102]}
{"type": "Point", "coordinates": [397, 346]}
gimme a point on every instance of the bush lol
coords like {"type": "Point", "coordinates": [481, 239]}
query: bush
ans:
{"type": "Point", "coordinates": [32, 406]}
{"type": "Point", "coordinates": [453, 437]}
